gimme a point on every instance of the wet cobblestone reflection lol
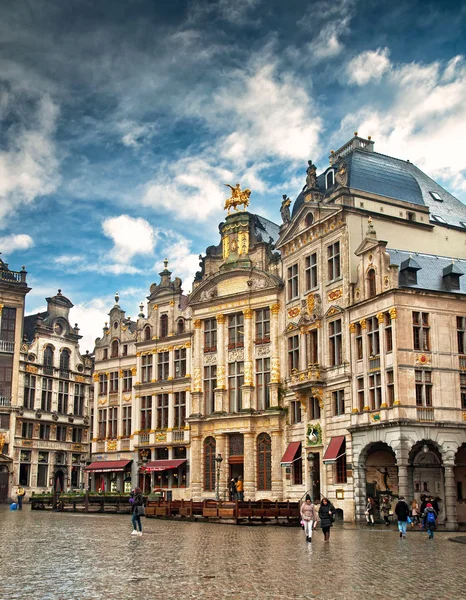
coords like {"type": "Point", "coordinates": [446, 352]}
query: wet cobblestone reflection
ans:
{"type": "Point", "coordinates": [49, 556]}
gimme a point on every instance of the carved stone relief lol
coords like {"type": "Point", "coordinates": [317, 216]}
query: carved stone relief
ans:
{"type": "Point", "coordinates": [236, 355]}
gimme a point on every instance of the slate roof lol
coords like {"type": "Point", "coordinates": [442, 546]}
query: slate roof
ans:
{"type": "Point", "coordinates": [29, 328]}
{"type": "Point", "coordinates": [265, 229]}
{"type": "Point", "coordinates": [399, 179]}
{"type": "Point", "coordinates": [431, 270]}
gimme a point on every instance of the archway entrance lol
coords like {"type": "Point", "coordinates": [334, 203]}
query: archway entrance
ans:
{"type": "Point", "coordinates": [427, 473]}
{"type": "Point", "coordinates": [460, 483]}
{"type": "Point", "coordinates": [381, 474]}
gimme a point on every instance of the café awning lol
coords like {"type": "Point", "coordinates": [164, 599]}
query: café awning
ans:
{"type": "Point", "coordinates": [164, 465]}
{"type": "Point", "coordinates": [334, 449]}
{"type": "Point", "coordinates": [291, 454]}
{"type": "Point", "coordinates": [108, 466]}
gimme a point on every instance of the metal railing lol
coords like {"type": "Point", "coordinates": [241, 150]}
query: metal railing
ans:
{"type": "Point", "coordinates": [5, 400]}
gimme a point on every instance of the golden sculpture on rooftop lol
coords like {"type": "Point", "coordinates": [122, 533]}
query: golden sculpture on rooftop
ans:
{"type": "Point", "coordinates": [237, 197]}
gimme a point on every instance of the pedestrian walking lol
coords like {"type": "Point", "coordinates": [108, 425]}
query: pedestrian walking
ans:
{"type": "Point", "coordinates": [429, 520]}
{"type": "Point", "coordinates": [385, 509]}
{"type": "Point", "coordinates": [414, 513]}
{"type": "Point", "coordinates": [239, 489]}
{"type": "Point", "coordinates": [308, 517]}
{"type": "Point", "coordinates": [232, 486]}
{"type": "Point", "coordinates": [137, 510]}
{"type": "Point", "coordinates": [327, 517]}
{"type": "Point", "coordinates": [20, 494]}
{"type": "Point", "coordinates": [402, 513]}
{"type": "Point", "coordinates": [369, 512]}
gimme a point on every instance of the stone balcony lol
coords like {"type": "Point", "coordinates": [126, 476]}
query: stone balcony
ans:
{"type": "Point", "coordinates": [164, 437]}
{"type": "Point", "coordinates": [417, 414]}
{"type": "Point", "coordinates": [7, 347]}
{"type": "Point", "coordinates": [302, 379]}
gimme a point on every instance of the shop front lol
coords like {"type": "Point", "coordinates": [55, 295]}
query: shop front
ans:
{"type": "Point", "coordinates": [110, 476]}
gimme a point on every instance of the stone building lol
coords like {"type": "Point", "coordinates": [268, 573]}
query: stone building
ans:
{"type": "Point", "coordinates": [50, 437]}
{"type": "Point", "coordinates": [13, 290]}
{"type": "Point", "coordinates": [374, 332]}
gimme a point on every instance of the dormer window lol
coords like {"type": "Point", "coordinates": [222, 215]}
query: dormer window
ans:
{"type": "Point", "coordinates": [180, 326]}
{"type": "Point", "coordinates": [329, 179]}
{"type": "Point", "coordinates": [436, 196]}
{"type": "Point", "coordinates": [371, 285]}
{"type": "Point", "coordinates": [114, 348]}
{"type": "Point", "coordinates": [411, 216]}
{"type": "Point", "coordinates": [451, 276]}
{"type": "Point", "coordinates": [147, 333]}
{"type": "Point", "coordinates": [164, 326]}
{"type": "Point", "coordinates": [438, 218]}
{"type": "Point", "coordinates": [408, 272]}
{"type": "Point", "coordinates": [309, 219]}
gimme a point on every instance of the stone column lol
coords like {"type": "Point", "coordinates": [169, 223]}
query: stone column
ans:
{"type": "Point", "coordinates": [365, 354]}
{"type": "Point", "coordinates": [248, 387]}
{"type": "Point", "coordinates": [451, 518]}
{"type": "Point", "coordinates": [171, 411]}
{"type": "Point", "coordinates": [381, 320]}
{"type": "Point", "coordinates": [354, 385]}
{"type": "Point", "coordinates": [189, 359]}
{"type": "Point", "coordinates": [220, 442]}
{"type": "Point", "coordinates": [220, 395]}
{"type": "Point", "coordinates": [275, 355]}
{"type": "Point", "coordinates": [249, 467]}
{"type": "Point", "coordinates": [403, 481]}
{"type": "Point", "coordinates": [196, 467]}
{"type": "Point", "coordinates": [196, 381]}
{"type": "Point", "coordinates": [359, 483]}
{"type": "Point", "coordinates": [171, 318]}
{"type": "Point", "coordinates": [277, 471]}
{"type": "Point", "coordinates": [393, 316]}
{"type": "Point", "coordinates": [302, 351]}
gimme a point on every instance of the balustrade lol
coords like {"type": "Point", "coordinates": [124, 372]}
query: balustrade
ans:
{"type": "Point", "coordinates": [425, 413]}
{"type": "Point", "coordinates": [6, 346]}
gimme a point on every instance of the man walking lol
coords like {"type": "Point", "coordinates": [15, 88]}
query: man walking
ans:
{"type": "Point", "coordinates": [20, 493]}
{"type": "Point", "coordinates": [402, 513]}
{"type": "Point", "coordinates": [429, 520]}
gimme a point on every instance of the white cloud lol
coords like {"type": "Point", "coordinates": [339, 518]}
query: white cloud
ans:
{"type": "Point", "coordinates": [130, 237]}
{"type": "Point", "coordinates": [66, 259]}
{"type": "Point", "coordinates": [424, 119]}
{"type": "Point", "coordinates": [15, 241]}
{"type": "Point", "coordinates": [368, 66]}
{"type": "Point", "coordinates": [331, 20]}
{"type": "Point", "coordinates": [136, 134]}
{"type": "Point", "coordinates": [182, 262]}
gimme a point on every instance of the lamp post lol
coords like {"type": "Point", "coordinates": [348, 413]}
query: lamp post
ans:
{"type": "Point", "coordinates": [310, 460]}
{"type": "Point", "coordinates": [218, 460]}
{"type": "Point", "coordinates": [144, 454]}
{"type": "Point", "coordinates": [82, 464]}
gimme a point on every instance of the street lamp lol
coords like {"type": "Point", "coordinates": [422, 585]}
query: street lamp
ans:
{"type": "Point", "coordinates": [82, 464]}
{"type": "Point", "coordinates": [310, 460]}
{"type": "Point", "coordinates": [218, 460]}
{"type": "Point", "coordinates": [144, 454]}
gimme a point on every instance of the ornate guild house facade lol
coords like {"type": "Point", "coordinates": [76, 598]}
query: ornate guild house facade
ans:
{"type": "Point", "coordinates": [325, 355]}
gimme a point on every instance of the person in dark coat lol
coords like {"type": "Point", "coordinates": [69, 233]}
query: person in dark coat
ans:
{"type": "Point", "coordinates": [233, 489]}
{"type": "Point", "coordinates": [429, 520]}
{"type": "Point", "coordinates": [402, 513]}
{"type": "Point", "coordinates": [138, 502]}
{"type": "Point", "coordinates": [326, 516]}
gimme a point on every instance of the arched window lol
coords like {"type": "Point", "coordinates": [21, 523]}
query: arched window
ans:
{"type": "Point", "coordinates": [371, 283]}
{"type": "Point", "coordinates": [115, 348]}
{"type": "Point", "coordinates": [180, 326]}
{"type": "Point", "coordinates": [48, 360]}
{"type": "Point", "coordinates": [264, 462]}
{"type": "Point", "coordinates": [329, 179]}
{"type": "Point", "coordinates": [209, 464]}
{"type": "Point", "coordinates": [147, 333]}
{"type": "Point", "coordinates": [309, 219]}
{"type": "Point", "coordinates": [164, 326]}
{"type": "Point", "coordinates": [64, 361]}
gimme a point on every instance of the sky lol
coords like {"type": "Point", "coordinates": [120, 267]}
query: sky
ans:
{"type": "Point", "coordinates": [121, 121]}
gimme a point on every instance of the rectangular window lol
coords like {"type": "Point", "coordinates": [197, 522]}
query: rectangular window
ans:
{"type": "Point", "coordinates": [114, 375]}
{"type": "Point", "coordinates": [103, 384]}
{"type": "Point", "coordinates": [210, 335]}
{"type": "Point", "coordinates": [29, 391]}
{"type": "Point", "coordinates": [390, 387]}
{"type": "Point", "coordinates": [8, 326]}
{"type": "Point", "coordinates": [63, 395]}
{"type": "Point", "coordinates": [4, 422]}
{"type": "Point", "coordinates": [335, 339]}
{"type": "Point", "coordinates": [338, 402]}
{"type": "Point", "coordinates": [24, 467]}
{"type": "Point", "coordinates": [421, 331]}
{"type": "Point", "coordinates": [180, 362]}
{"type": "Point", "coordinates": [293, 282]}
{"type": "Point", "coordinates": [373, 339]}
{"type": "Point", "coordinates": [125, 350]}
{"type": "Point", "coordinates": [262, 383]}
{"type": "Point", "coordinates": [46, 400]}
{"type": "Point", "coordinates": [361, 399]}
{"type": "Point", "coordinates": [293, 352]}
{"type": "Point", "coordinates": [295, 412]}
{"type": "Point", "coordinates": [333, 261]}
{"type": "Point", "coordinates": [163, 359]}
{"type": "Point", "coordinates": [146, 367]}
{"type": "Point", "coordinates": [359, 346]}
{"type": "Point", "coordinates": [112, 423]}
{"type": "Point", "coordinates": [313, 347]}
{"type": "Point", "coordinates": [162, 411]}
{"type": "Point", "coordinates": [180, 410]}
{"type": "Point", "coordinates": [388, 333]}
{"type": "Point", "coordinates": [77, 434]}
{"type": "Point", "coordinates": [423, 381]}
{"type": "Point", "coordinates": [42, 469]}
{"type": "Point", "coordinates": [146, 413]}
{"type": "Point", "coordinates": [311, 271]}
{"type": "Point", "coordinates": [44, 431]}
{"type": "Point", "coordinates": [314, 408]}
{"type": "Point", "coordinates": [461, 333]}
{"type": "Point", "coordinates": [210, 383]}
{"type": "Point", "coordinates": [126, 433]}
{"type": "Point", "coordinates": [375, 391]}
{"type": "Point", "coordinates": [235, 381]}
{"type": "Point", "coordinates": [78, 399]}
{"type": "Point", "coordinates": [298, 471]}
{"type": "Point", "coordinates": [102, 423]}
{"type": "Point", "coordinates": [262, 326]}
{"type": "Point", "coordinates": [236, 331]}
{"type": "Point", "coordinates": [27, 430]}
{"type": "Point", "coordinates": [6, 376]}
{"type": "Point", "coordinates": [127, 380]}
{"type": "Point", "coordinates": [341, 472]}
{"type": "Point", "coordinates": [61, 433]}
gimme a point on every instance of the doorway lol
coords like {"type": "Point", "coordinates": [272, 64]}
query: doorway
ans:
{"type": "Point", "coordinates": [59, 482]}
{"type": "Point", "coordinates": [4, 475]}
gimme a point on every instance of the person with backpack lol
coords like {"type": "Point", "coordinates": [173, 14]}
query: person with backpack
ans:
{"type": "Point", "coordinates": [402, 513]}
{"type": "Point", "coordinates": [429, 520]}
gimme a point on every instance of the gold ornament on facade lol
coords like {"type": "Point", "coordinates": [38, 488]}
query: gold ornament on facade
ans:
{"type": "Point", "coordinates": [220, 319]}
{"type": "Point", "coordinates": [380, 317]}
{"type": "Point", "coordinates": [31, 369]}
{"type": "Point", "coordinates": [111, 445]}
{"type": "Point", "coordinates": [96, 376]}
{"type": "Point", "coordinates": [237, 198]}
{"type": "Point", "coordinates": [275, 308]}
{"type": "Point", "coordinates": [392, 313]}
{"type": "Point", "coordinates": [197, 380]}
{"type": "Point", "coordinates": [335, 295]}
{"type": "Point", "coordinates": [248, 313]}
{"type": "Point", "coordinates": [311, 302]}
{"type": "Point", "coordinates": [221, 377]}
{"type": "Point", "coordinates": [363, 323]}
{"type": "Point", "coordinates": [2, 442]}
{"type": "Point", "coordinates": [197, 324]}
{"type": "Point", "coordinates": [352, 327]}
{"type": "Point", "coordinates": [80, 379]}
{"type": "Point", "coordinates": [225, 247]}
{"type": "Point", "coordinates": [248, 373]}
{"type": "Point", "coordinates": [133, 371]}
{"type": "Point", "coordinates": [294, 312]}
{"type": "Point", "coordinates": [243, 242]}
{"type": "Point", "coordinates": [120, 373]}
{"type": "Point", "coordinates": [275, 371]}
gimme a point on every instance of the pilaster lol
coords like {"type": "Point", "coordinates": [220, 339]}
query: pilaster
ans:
{"type": "Point", "coordinates": [249, 466]}
{"type": "Point", "coordinates": [275, 348]}
{"type": "Point", "coordinates": [277, 475]}
{"type": "Point", "coordinates": [451, 518]}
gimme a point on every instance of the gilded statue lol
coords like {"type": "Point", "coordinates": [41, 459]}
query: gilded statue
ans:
{"type": "Point", "coordinates": [237, 197]}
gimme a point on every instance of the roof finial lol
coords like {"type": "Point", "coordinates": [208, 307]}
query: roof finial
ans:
{"type": "Point", "coordinates": [165, 263]}
{"type": "Point", "coordinates": [355, 133]}
{"type": "Point", "coordinates": [117, 297]}
{"type": "Point", "coordinates": [59, 292]}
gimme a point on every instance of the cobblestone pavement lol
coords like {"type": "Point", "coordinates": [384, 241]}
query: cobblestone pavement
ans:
{"type": "Point", "coordinates": [47, 556]}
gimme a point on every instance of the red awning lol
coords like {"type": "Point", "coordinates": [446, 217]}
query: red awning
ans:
{"type": "Point", "coordinates": [290, 453]}
{"type": "Point", "coordinates": [108, 466]}
{"type": "Point", "coordinates": [334, 449]}
{"type": "Point", "coordinates": [164, 465]}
